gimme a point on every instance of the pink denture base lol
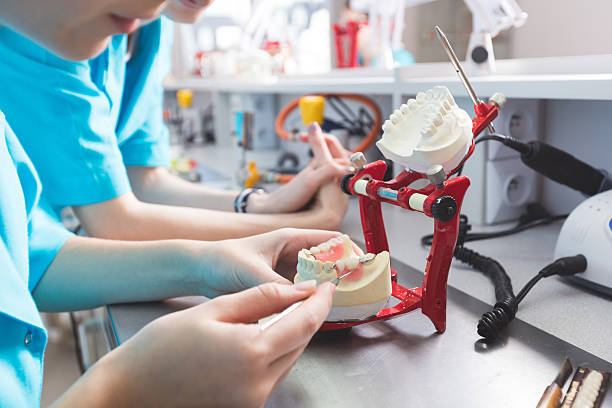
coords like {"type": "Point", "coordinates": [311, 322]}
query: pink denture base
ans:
{"type": "Point", "coordinates": [334, 254]}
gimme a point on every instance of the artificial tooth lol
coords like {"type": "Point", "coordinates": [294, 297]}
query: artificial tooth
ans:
{"type": "Point", "coordinates": [404, 109]}
{"type": "Point", "coordinates": [430, 94]}
{"type": "Point", "coordinates": [421, 98]}
{"type": "Point", "coordinates": [428, 130]}
{"type": "Point", "coordinates": [387, 125]}
{"type": "Point", "coordinates": [351, 262]}
{"type": "Point", "coordinates": [315, 250]}
{"type": "Point", "coordinates": [324, 247]}
{"type": "Point", "coordinates": [340, 265]}
{"type": "Point", "coordinates": [411, 104]}
{"type": "Point", "coordinates": [437, 120]}
{"type": "Point", "coordinates": [328, 266]}
{"type": "Point", "coordinates": [395, 118]}
{"type": "Point", "coordinates": [367, 257]}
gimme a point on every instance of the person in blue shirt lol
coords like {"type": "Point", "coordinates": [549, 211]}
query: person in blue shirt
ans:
{"type": "Point", "coordinates": [95, 132]}
{"type": "Point", "coordinates": [44, 267]}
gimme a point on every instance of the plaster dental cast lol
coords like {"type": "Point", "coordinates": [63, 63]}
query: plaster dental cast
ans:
{"type": "Point", "coordinates": [207, 352]}
{"type": "Point", "coordinates": [98, 141]}
{"type": "Point", "coordinates": [361, 294]}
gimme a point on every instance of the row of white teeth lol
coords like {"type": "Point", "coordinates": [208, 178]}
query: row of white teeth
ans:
{"type": "Point", "coordinates": [350, 263]}
{"type": "Point", "coordinates": [326, 246]}
{"type": "Point", "coordinates": [435, 104]}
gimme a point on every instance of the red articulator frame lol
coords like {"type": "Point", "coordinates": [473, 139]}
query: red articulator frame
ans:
{"type": "Point", "coordinates": [431, 297]}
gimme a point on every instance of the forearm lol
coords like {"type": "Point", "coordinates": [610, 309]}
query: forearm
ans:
{"type": "Point", "coordinates": [158, 186]}
{"type": "Point", "coordinates": [89, 272]}
{"type": "Point", "coordinates": [130, 219]}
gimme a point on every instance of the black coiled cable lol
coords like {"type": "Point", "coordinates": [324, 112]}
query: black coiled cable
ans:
{"type": "Point", "coordinates": [492, 323]}
{"type": "Point", "coordinates": [490, 267]}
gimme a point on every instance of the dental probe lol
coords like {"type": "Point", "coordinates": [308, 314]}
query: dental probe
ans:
{"type": "Point", "coordinates": [294, 306]}
{"type": "Point", "coordinates": [453, 58]}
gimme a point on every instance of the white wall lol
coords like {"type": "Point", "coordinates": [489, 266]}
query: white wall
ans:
{"type": "Point", "coordinates": [563, 27]}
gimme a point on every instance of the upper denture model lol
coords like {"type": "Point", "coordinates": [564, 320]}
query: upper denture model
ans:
{"type": "Point", "coordinates": [426, 131]}
{"type": "Point", "coordinates": [361, 294]}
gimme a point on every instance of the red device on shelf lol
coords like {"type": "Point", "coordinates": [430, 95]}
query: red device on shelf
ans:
{"type": "Point", "coordinates": [346, 44]}
{"type": "Point", "coordinates": [440, 200]}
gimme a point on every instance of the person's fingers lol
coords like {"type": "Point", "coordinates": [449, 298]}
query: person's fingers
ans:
{"type": "Point", "coordinates": [333, 144]}
{"type": "Point", "coordinates": [285, 261]}
{"type": "Point", "coordinates": [293, 240]}
{"type": "Point", "coordinates": [335, 148]}
{"type": "Point", "coordinates": [260, 272]}
{"type": "Point", "coordinates": [255, 303]}
{"type": "Point", "coordinates": [298, 327]}
{"type": "Point", "coordinates": [317, 143]}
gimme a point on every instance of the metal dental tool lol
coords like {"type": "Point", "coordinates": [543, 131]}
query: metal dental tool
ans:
{"type": "Point", "coordinates": [294, 306]}
{"type": "Point", "coordinates": [459, 70]}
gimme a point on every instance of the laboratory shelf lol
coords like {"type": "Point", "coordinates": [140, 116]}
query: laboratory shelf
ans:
{"type": "Point", "coordinates": [581, 77]}
{"type": "Point", "coordinates": [362, 80]}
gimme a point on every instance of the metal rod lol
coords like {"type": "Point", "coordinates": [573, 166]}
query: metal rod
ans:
{"type": "Point", "coordinates": [455, 61]}
{"type": "Point", "coordinates": [457, 65]}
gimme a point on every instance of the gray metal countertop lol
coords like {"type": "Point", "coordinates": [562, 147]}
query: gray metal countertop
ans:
{"type": "Point", "coordinates": [403, 362]}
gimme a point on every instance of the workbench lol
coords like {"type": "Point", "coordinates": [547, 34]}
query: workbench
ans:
{"type": "Point", "coordinates": [403, 362]}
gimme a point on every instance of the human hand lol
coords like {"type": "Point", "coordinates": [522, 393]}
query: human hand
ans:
{"type": "Point", "coordinates": [330, 206]}
{"type": "Point", "coordinates": [208, 356]}
{"type": "Point", "coordinates": [237, 264]}
{"type": "Point", "coordinates": [330, 162]}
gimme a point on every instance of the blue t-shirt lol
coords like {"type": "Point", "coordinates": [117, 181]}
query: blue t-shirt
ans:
{"type": "Point", "coordinates": [29, 240]}
{"type": "Point", "coordinates": [82, 122]}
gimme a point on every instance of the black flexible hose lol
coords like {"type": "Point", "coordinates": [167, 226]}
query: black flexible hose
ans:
{"type": "Point", "coordinates": [489, 267]}
{"type": "Point", "coordinates": [492, 323]}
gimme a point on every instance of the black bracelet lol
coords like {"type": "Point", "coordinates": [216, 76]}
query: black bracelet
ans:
{"type": "Point", "coordinates": [242, 199]}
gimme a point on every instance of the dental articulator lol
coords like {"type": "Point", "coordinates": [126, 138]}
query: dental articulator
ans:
{"type": "Point", "coordinates": [432, 138]}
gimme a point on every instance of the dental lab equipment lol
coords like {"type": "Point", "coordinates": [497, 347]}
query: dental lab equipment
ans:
{"type": "Point", "coordinates": [432, 138]}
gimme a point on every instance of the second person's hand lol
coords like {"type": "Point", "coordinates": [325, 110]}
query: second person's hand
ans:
{"type": "Point", "coordinates": [330, 163]}
{"type": "Point", "coordinates": [233, 265]}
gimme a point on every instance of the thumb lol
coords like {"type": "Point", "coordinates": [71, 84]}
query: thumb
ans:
{"type": "Point", "coordinates": [261, 301]}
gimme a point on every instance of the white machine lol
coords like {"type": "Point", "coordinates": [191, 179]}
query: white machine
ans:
{"type": "Point", "coordinates": [489, 18]}
{"type": "Point", "coordinates": [588, 231]}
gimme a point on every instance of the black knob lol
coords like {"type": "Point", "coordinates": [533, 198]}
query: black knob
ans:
{"type": "Point", "coordinates": [444, 208]}
{"type": "Point", "coordinates": [344, 183]}
{"type": "Point", "coordinates": [480, 54]}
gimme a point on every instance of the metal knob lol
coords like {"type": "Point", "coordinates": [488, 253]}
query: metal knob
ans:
{"type": "Point", "coordinates": [499, 99]}
{"type": "Point", "coordinates": [436, 175]}
{"type": "Point", "coordinates": [444, 208]}
{"type": "Point", "coordinates": [358, 160]}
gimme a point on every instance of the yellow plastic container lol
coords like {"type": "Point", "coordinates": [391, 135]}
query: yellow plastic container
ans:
{"type": "Point", "coordinates": [311, 107]}
{"type": "Point", "coordinates": [184, 98]}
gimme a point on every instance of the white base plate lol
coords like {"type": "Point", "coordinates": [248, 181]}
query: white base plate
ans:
{"type": "Point", "coordinates": [356, 312]}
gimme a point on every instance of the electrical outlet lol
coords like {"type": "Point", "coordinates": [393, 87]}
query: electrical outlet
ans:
{"type": "Point", "coordinates": [519, 118]}
{"type": "Point", "coordinates": [510, 186]}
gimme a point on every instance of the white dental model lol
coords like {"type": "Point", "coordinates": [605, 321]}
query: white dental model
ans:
{"type": "Point", "coordinates": [428, 130]}
{"type": "Point", "coordinates": [360, 295]}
